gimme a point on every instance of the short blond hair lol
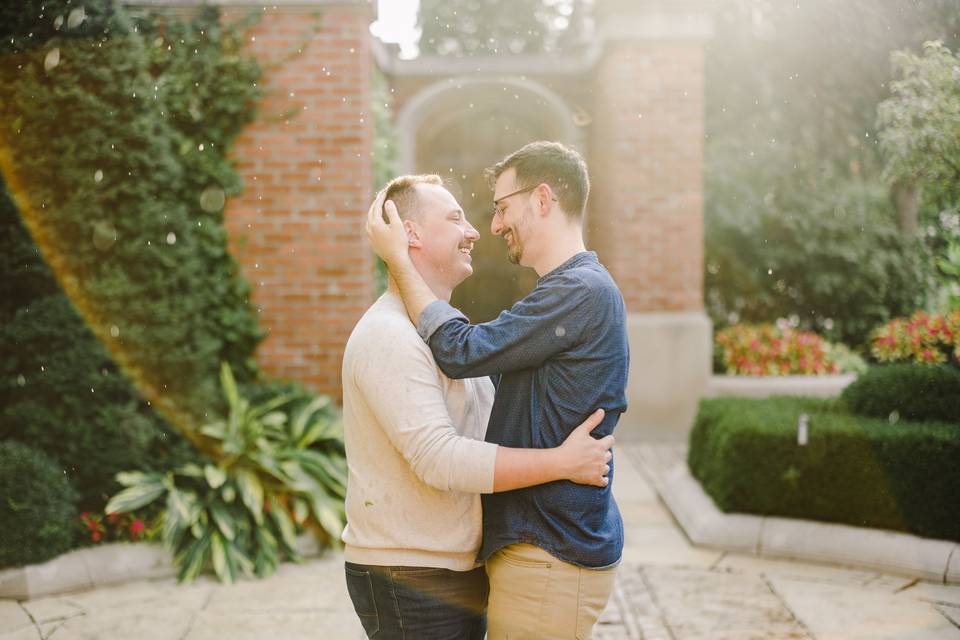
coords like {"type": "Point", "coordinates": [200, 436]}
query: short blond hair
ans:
{"type": "Point", "coordinates": [401, 190]}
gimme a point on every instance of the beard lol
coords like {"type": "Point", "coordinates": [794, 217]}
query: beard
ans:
{"type": "Point", "coordinates": [514, 250]}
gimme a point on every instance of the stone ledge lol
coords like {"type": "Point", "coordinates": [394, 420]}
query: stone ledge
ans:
{"type": "Point", "coordinates": [874, 549]}
{"type": "Point", "coordinates": [99, 566]}
{"type": "Point", "coordinates": [765, 386]}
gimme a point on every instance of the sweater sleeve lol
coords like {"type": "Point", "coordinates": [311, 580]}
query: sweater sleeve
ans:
{"type": "Point", "coordinates": [400, 384]}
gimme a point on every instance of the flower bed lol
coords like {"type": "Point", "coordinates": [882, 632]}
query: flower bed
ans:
{"type": "Point", "coordinates": [780, 350]}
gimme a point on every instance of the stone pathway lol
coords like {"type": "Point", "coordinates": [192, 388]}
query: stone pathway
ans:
{"type": "Point", "coordinates": [666, 590]}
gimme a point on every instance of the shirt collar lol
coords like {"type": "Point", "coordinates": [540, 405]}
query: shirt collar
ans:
{"type": "Point", "coordinates": [576, 260]}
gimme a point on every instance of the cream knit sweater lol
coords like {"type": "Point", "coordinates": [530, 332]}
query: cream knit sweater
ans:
{"type": "Point", "coordinates": [415, 451]}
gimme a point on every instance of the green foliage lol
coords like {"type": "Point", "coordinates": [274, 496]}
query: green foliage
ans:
{"type": "Point", "coordinates": [791, 135]}
{"type": "Point", "coordinates": [282, 466]}
{"type": "Point", "coordinates": [949, 265]}
{"type": "Point", "coordinates": [59, 389]}
{"type": "Point", "coordinates": [120, 156]}
{"type": "Point", "coordinates": [831, 257]}
{"type": "Point", "coordinates": [920, 123]}
{"type": "Point", "coordinates": [907, 391]}
{"type": "Point", "coordinates": [104, 151]}
{"type": "Point", "coordinates": [853, 470]}
{"type": "Point", "coordinates": [37, 506]}
{"type": "Point", "coordinates": [492, 27]}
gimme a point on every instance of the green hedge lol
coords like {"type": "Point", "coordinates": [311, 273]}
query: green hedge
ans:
{"type": "Point", "coordinates": [105, 146]}
{"type": "Point", "coordinates": [38, 506]}
{"type": "Point", "coordinates": [116, 150]}
{"type": "Point", "coordinates": [853, 470]}
{"type": "Point", "coordinates": [907, 391]}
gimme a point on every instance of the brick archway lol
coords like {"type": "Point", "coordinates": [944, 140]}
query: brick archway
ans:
{"type": "Point", "coordinates": [458, 128]}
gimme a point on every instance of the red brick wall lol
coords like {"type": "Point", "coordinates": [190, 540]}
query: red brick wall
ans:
{"type": "Point", "coordinates": [646, 162]}
{"type": "Point", "coordinates": [297, 229]}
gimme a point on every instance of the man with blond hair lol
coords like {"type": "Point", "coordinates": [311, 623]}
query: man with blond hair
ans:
{"type": "Point", "coordinates": [416, 455]}
{"type": "Point", "coordinates": [551, 549]}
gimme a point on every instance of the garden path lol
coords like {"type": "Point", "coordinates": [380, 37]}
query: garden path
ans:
{"type": "Point", "coordinates": [667, 589]}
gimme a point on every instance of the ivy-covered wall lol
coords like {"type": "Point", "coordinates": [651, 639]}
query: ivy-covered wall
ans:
{"type": "Point", "coordinates": [118, 296]}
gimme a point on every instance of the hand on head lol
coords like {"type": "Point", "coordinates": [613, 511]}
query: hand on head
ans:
{"type": "Point", "coordinates": [387, 237]}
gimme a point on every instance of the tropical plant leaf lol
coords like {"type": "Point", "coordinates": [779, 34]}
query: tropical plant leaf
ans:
{"type": "Point", "coordinates": [135, 496]}
{"type": "Point", "coordinates": [193, 559]}
{"type": "Point", "coordinates": [251, 493]}
{"type": "Point", "coordinates": [218, 556]}
{"type": "Point", "coordinates": [224, 521]}
{"type": "Point", "coordinates": [215, 476]}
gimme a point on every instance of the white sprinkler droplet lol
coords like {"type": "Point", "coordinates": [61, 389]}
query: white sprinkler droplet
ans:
{"type": "Point", "coordinates": [76, 18]}
{"type": "Point", "coordinates": [97, 175]}
{"type": "Point", "coordinates": [560, 332]}
{"type": "Point", "coordinates": [171, 238]}
{"type": "Point", "coordinates": [21, 381]}
{"type": "Point", "coordinates": [104, 235]}
{"type": "Point", "coordinates": [212, 199]}
{"type": "Point", "coordinates": [114, 331]}
{"type": "Point", "coordinates": [52, 59]}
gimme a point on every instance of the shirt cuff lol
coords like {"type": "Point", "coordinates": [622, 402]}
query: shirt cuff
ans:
{"type": "Point", "coordinates": [434, 316]}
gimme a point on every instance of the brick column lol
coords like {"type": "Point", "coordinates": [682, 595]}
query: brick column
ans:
{"type": "Point", "coordinates": [297, 229]}
{"type": "Point", "coordinates": [647, 204]}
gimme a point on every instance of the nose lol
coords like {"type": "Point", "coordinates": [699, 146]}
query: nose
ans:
{"type": "Point", "coordinates": [496, 225]}
{"type": "Point", "coordinates": [471, 233]}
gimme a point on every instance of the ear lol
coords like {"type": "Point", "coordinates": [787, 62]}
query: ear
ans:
{"type": "Point", "coordinates": [545, 198]}
{"type": "Point", "coordinates": [413, 234]}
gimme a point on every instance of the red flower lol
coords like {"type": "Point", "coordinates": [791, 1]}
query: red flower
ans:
{"type": "Point", "coordinates": [137, 527]}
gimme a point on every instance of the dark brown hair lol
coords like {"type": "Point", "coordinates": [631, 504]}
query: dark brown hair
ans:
{"type": "Point", "coordinates": [553, 163]}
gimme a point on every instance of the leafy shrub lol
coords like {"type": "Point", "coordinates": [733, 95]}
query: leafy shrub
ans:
{"type": "Point", "coordinates": [853, 470]}
{"type": "Point", "coordinates": [116, 143]}
{"type": "Point", "coordinates": [136, 221]}
{"type": "Point", "coordinates": [907, 391]}
{"type": "Point", "coordinates": [282, 466]}
{"type": "Point", "coordinates": [773, 350]}
{"type": "Point", "coordinates": [926, 338]}
{"type": "Point", "coordinates": [37, 508]}
{"type": "Point", "coordinates": [829, 255]}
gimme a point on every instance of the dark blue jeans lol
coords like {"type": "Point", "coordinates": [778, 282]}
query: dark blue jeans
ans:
{"type": "Point", "coordinates": [419, 603]}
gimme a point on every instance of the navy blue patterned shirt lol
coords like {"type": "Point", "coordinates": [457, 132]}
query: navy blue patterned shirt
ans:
{"type": "Point", "coordinates": [557, 355]}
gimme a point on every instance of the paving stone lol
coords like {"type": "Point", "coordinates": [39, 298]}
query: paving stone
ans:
{"type": "Point", "coordinates": [833, 612]}
{"type": "Point", "coordinates": [890, 583]}
{"type": "Point", "coordinates": [930, 592]}
{"type": "Point", "coordinates": [23, 633]}
{"type": "Point", "coordinates": [665, 545]}
{"type": "Point", "coordinates": [772, 567]}
{"type": "Point", "coordinates": [637, 515]}
{"type": "Point", "coordinates": [286, 625]}
{"type": "Point", "coordinates": [698, 603]}
{"type": "Point", "coordinates": [951, 612]}
{"type": "Point", "coordinates": [144, 622]}
{"type": "Point", "coordinates": [143, 594]}
{"type": "Point", "coordinates": [52, 608]}
{"type": "Point", "coordinates": [12, 616]}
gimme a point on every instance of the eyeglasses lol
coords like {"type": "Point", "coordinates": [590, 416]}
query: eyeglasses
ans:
{"type": "Point", "coordinates": [497, 211]}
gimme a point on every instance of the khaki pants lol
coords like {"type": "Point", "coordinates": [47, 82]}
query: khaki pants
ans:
{"type": "Point", "coordinates": [533, 595]}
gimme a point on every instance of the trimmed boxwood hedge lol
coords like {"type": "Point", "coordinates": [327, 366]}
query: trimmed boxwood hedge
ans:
{"type": "Point", "coordinates": [38, 507]}
{"type": "Point", "coordinates": [911, 391]}
{"type": "Point", "coordinates": [903, 476]}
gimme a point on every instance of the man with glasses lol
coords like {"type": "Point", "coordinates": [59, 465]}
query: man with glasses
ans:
{"type": "Point", "coordinates": [416, 457]}
{"type": "Point", "coordinates": [557, 354]}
